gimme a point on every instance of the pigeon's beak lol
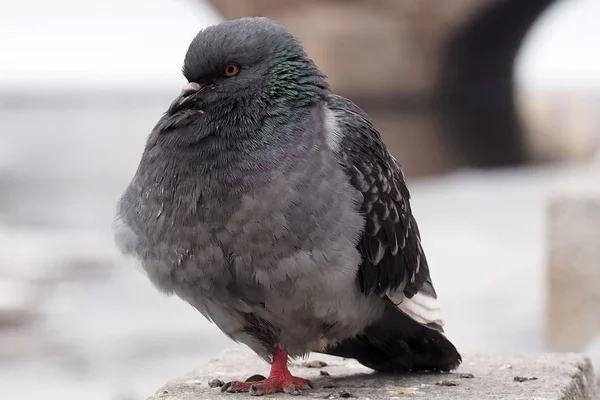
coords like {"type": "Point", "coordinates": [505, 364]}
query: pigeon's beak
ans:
{"type": "Point", "coordinates": [191, 87]}
{"type": "Point", "coordinates": [185, 97]}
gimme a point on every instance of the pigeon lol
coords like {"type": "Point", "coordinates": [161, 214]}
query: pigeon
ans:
{"type": "Point", "coordinates": [273, 207]}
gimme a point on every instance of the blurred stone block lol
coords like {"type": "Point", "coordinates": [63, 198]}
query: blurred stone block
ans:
{"type": "Point", "coordinates": [527, 377]}
{"type": "Point", "coordinates": [561, 125]}
{"type": "Point", "coordinates": [573, 301]}
{"type": "Point", "coordinates": [596, 160]}
{"type": "Point", "coordinates": [412, 139]}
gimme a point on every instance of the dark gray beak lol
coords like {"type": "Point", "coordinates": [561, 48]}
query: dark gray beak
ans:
{"type": "Point", "coordinates": [184, 98]}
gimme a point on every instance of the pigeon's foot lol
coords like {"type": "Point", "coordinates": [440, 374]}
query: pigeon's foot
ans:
{"type": "Point", "coordinates": [288, 384]}
{"type": "Point", "coordinates": [280, 380]}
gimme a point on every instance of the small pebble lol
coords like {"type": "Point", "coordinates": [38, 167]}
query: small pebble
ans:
{"type": "Point", "coordinates": [446, 383]}
{"type": "Point", "coordinates": [323, 373]}
{"type": "Point", "coordinates": [329, 385]}
{"type": "Point", "coordinates": [466, 375]}
{"type": "Point", "coordinates": [314, 364]}
{"type": "Point", "coordinates": [344, 394]}
{"type": "Point", "coordinates": [213, 383]}
{"type": "Point", "coordinates": [524, 379]}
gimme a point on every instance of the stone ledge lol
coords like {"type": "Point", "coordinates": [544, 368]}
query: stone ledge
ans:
{"type": "Point", "coordinates": [554, 376]}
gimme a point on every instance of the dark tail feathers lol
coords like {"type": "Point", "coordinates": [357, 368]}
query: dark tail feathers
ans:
{"type": "Point", "coordinates": [397, 343]}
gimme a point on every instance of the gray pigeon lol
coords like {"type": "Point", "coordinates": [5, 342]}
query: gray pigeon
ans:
{"type": "Point", "coordinates": [273, 207]}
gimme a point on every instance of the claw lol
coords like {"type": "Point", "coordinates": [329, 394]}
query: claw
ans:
{"type": "Point", "coordinates": [225, 387]}
{"type": "Point", "coordinates": [254, 391]}
{"type": "Point", "coordinates": [292, 389]}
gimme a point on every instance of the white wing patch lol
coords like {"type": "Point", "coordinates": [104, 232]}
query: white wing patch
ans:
{"type": "Point", "coordinates": [332, 128]}
{"type": "Point", "coordinates": [422, 308]}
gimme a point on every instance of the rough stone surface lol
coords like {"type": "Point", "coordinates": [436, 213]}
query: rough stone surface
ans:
{"type": "Point", "coordinates": [527, 377]}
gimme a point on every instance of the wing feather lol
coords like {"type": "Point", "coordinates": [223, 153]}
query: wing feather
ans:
{"type": "Point", "coordinates": [393, 258]}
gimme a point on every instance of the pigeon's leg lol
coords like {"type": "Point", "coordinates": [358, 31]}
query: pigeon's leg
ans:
{"type": "Point", "coordinates": [280, 379]}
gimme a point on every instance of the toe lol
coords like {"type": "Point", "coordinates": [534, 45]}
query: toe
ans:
{"type": "Point", "coordinates": [225, 387]}
{"type": "Point", "coordinates": [265, 387]}
{"type": "Point", "coordinates": [291, 388]}
{"type": "Point", "coordinates": [235, 387]}
{"type": "Point", "coordinates": [255, 391]}
{"type": "Point", "coordinates": [303, 384]}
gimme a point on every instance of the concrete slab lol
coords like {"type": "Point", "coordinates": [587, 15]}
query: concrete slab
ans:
{"type": "Point", "coordinates": [528, 377]}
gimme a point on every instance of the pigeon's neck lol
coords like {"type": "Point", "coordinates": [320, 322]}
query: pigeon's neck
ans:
{"type": "Point", "coordinates": [295, 81]}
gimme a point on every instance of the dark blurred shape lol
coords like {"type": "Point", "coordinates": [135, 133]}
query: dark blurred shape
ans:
{"type": "Point", "coordinates": [477, 87]}
{"type": "Point", "coordinates": [436, 76]}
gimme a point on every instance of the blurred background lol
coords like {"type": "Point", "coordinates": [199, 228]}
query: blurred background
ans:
{"type": "Point", "coordinates": [492, 107]}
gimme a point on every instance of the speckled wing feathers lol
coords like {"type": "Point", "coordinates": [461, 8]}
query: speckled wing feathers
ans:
{"type": "Point", "coordinates": [393, 258]}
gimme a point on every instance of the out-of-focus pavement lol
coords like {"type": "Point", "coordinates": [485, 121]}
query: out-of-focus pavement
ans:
{"type": "Point", "coordinates": [93, 326]}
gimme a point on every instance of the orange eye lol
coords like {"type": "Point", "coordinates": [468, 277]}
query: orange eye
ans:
{"type": "Point", "coordinates": [232, 70]}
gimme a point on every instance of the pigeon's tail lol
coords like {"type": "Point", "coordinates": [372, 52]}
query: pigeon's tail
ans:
{"type": "Point", "coordinates": [397, 343]}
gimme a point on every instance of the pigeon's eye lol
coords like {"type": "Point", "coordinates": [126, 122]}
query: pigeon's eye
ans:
{"type": "Point", "coordinates": [231, 70]}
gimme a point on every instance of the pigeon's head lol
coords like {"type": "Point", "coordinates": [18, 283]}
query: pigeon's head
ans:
{"type": "Point", "coordinates": [248, 63]}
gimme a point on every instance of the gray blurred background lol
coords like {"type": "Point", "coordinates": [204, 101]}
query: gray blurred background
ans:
{"type": "Point", "coordinates": [490, 105]}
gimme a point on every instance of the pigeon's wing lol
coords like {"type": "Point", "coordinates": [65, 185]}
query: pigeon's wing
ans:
{"type": "Point", "coordinates": [393, 261]}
